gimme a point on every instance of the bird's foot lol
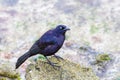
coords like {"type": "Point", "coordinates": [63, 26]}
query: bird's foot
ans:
{"type": "Point", "coordinates": [58, 57]}
{"type": "Point", "coordinates": [53, 65]}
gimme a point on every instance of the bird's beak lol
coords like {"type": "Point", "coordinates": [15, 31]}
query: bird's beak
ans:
{"type": "Point", "coordinates": [66, 29]}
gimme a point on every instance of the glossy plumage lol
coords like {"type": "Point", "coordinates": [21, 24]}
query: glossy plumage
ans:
{"type": "Point", "coordinates": [49, 43]}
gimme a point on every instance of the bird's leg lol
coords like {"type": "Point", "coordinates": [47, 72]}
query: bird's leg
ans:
{"type": "Point", "coordinates": [58, 57]}
{"type": "Point", "coordinates": [51, 63]}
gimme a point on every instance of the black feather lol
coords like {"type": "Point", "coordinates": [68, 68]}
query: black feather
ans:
{"type": "Point", "coordinates": [47, 45]}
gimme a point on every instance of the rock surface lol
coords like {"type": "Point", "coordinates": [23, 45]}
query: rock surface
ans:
{"type": "Point", "coordinates": [68, 71]}
{"type": "Point", "coordinates": [7, 72]}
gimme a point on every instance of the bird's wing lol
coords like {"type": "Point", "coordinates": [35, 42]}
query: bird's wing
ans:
{"type": "Point", "coordinates": [34, 49]}
{"type": "Point", "coordinates": [46, 41]}
{"type": "Point", "coordinates": [41, 44]}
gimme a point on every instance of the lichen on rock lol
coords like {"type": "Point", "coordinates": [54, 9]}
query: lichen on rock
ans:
{"type": "Point", "coordinates": [103, 57]}
{"type": "Point", "coordinates": [68, 71]}
{"type": "Point", "coordinates": [7, 72]}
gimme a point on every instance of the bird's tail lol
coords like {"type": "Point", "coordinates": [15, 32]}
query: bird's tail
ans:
{"type": "Point", "coordinates": [22, 59]}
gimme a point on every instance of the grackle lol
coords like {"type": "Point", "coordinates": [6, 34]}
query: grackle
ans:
{"type": "Point", "coordinates": [49, 43]}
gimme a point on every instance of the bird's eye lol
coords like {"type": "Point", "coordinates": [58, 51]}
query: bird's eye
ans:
{"type": "Point", "coordinates": [61, 28]}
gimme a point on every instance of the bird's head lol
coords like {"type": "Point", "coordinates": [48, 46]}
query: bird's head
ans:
{"type": "Point", "coordinates": [61, 29]}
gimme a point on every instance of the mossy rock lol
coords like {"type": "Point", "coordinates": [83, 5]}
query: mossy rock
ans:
{"type": "Point", "coordinates": [103, 58]}
{"type": "Point", "coordinates": [7, 72]}
{"type": "Point", "coordinates": [68, 71]}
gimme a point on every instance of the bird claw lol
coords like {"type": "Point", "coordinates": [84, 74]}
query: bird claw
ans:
{"type": "Point", "coordinates": [53, 64]}
{"type": "Point", "coordinates": [58, 57]}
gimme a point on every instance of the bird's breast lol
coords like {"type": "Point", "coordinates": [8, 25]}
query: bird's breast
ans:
{"type": "Point", "coordinates": [60, 40]}
{"type": "Point", "coordinates": [52, 49]}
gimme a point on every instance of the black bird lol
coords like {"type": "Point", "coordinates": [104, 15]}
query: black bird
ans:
{"type": "Point", "coordinates": [49, 43]}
